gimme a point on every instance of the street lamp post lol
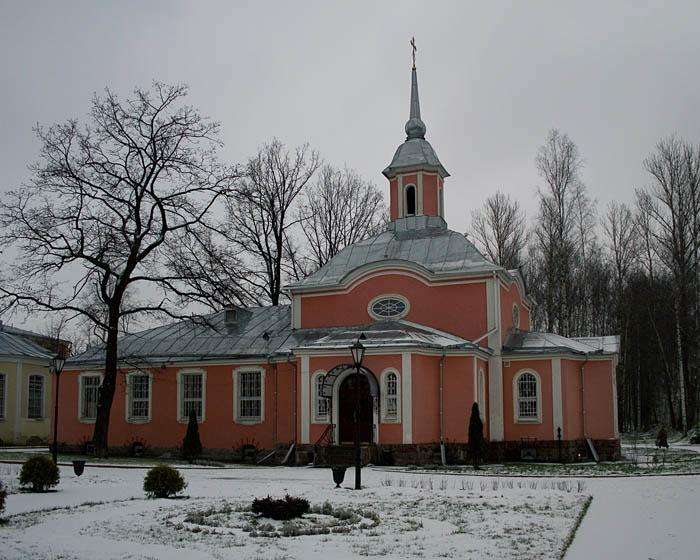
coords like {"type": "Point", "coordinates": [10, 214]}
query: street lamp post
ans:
{"type": "Point", "coordinates": [56, 366]}
{"type": "Point", "coordinates": [358, 352]}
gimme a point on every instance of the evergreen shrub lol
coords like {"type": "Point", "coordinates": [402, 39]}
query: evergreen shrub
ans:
{"type": "Point", "coordinates": [39, 472]}
{"type": "Point", "coordinates": [282, 509]}
{"type": "Point", "coordinates": [192, 445]}
{"type": "Point", "coordinates": [163, 481]}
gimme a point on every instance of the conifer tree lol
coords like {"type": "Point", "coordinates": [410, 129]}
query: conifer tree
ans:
{"type": "Point", "coordinates": [475, 443]}
{"type": "Point", "coordinates": [192, 445]}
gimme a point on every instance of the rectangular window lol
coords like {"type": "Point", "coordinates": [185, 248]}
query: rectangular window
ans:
{"type": "Point", "coordinates": [191, 395]}
{"type": "Point", "coordinates": [139, 395]}
{"type": "Point", "coordinates": [35, 402]}
{"type": "Point", "coordinates": [321, 401]}
{"type": "Point", "coordinates": [89, 392]}
{"type": "Point", "coordinates": [391, 399]}
{"type": "Point", "coordinates": [249, 395]}
{"type": "Point", "coordinates": [3, 379]}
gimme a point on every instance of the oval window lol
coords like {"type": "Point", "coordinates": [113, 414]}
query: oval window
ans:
{"type": "Point", "coordinates": [388, 307]}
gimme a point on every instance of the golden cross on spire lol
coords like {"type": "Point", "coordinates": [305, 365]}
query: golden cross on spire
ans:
{"type": "Point", "coordinates": [413, 45]}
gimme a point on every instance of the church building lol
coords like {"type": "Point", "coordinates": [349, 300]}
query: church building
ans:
{"type": "Point", "coordinates": [442, 328]}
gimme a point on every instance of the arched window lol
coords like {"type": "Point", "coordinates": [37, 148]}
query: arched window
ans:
{"type": "Point", "coordinates": [391, 396]}
{"type": "Point", "coordinates": [321, 408]}
{"type": "Point", "coordinates": [410, 200]}
{"type": "Point", "coordinates": [35, 403]}
{"type": "Point", "coordinates": [528, 397]}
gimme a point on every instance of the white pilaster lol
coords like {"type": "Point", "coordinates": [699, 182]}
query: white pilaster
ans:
{"type": "Point", "coordinates": [557, 412]}
{"type": "Point", "coordinates": [305, 401]}
{"type": "Point", "coordinates": [419, 194]}
{"type": "Point", "coordinates": [399, 196]}
{"type": "Point", "coordinates": [18, 400]}
{"type": "Point", "coordinates": [406, 398]}
{"type": "Point", "coordinates": [296, 312]}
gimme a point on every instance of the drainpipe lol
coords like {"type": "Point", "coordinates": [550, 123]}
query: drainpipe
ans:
{"type": "Point", "coordinates": [274, 425]}
{"type": "Point", "coordinates": [442, 408]}
{"type": "Point", "coordinates": [294, 366]}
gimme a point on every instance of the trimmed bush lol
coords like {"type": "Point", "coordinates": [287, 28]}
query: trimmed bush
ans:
{"type": "Point", "coordinates": [192, 445]}
{"type": "Point", "coordinates": [163, 481]}
{"type": "Point", "coordinates": [40, 472]}
{"type": "Point", "coordinates": [283, 509]}
{"type": "Point", "coordinates": [3, 495]}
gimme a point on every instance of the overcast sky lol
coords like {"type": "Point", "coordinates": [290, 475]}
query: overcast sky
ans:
{"type": "Point", "coordinates": [493, 77]}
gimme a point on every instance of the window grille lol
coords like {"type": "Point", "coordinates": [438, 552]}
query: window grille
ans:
{"type": "Point", "coordinates": [391, 399]}
{"type": "Point", "coordinates": [388, 308]}
{"type": "Point", "coordinates": [249, 395]}
{"type": "Point", "coordinates": [191, 395]}
{"type": "Point", "coordinates": [35, 404]}
{"type": "Point", "coordinates": [321, 401]}
{"type": "Point", "coordinates": [90, 391]}
{"type": "Point", "coordinates": [139, 392]}
{"type": "Point", "coordinates": [527, 396]}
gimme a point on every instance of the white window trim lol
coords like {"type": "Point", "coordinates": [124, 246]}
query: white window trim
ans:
{"type": "Point", "coordinates": [481, 393]}
{"type": "Point", "coordinates": [81, 419]}
{"type": "Point", "coordinates": [390, 419]}
{"type": "Point", "coordinates": [127, 397]}
{"type": "Point", "coordinates": [42, 415]}
{"type": "Point", "coordinates": [386, 296]}
{"type": "Point", "coordinates": [236, 405]}
{"type": "Point", "coordinates": [187, 371]}
{"type": "Point", "coordinates": [515, 312]}
{"type": "Point", "coordinates": [316, 417]}
{"type": "Point", "coordinates": [3, 404]}
{"type": "Point", "coordinates": [516, 398]}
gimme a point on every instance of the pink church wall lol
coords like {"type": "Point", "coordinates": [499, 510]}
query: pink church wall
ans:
{"type": "Point", "coordinates": [218, 429]}
{"type": "Point", "coordinates": [425, 380]}
{"type": "Point", "coordinates": [444, 307]}
{"type": "Point", "coordinates": [458, 396]}
{"type": "Point", "coordinates": [515, 431]}
{"type": "Point", "coordinates": [598, 378]}
{"type": "Point", "coordinates": [571, 398]}
{"type": "Point", "coordinates": [430, 195]}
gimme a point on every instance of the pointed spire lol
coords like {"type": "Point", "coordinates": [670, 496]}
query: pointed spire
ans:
{"type": "Point", "coordinates": [415, 127]}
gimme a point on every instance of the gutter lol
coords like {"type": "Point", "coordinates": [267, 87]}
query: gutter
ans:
{"type": "Point", "coordinates": [296, 406]}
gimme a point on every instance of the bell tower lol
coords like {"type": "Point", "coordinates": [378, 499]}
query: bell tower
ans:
{"type": "Point", "coordinates": [416, 176]}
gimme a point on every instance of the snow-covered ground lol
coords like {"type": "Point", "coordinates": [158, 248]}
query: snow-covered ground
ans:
{"type": "Point", "coordinates": [103, 514]}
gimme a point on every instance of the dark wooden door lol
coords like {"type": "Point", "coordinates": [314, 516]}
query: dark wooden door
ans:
{"type": "Point", "coordinates": [346, 410]}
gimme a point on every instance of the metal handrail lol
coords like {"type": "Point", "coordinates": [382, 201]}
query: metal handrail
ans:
{"type": "Point", "coordinates": [327, 437]}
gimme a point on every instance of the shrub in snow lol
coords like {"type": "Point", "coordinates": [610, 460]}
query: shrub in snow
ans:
{"type": "Point", "coordinates": [192, 445]}
{"type": "Point", "coordinates": [662, 438]}
{"type": "Point", "coordinates": [283, 509]}
{"type": "Point", "coordinates": [163, 481]}
{"type": "Point", "coordinates": [40, 472]}
{"type": "Point", "coordinates": [3, 495]}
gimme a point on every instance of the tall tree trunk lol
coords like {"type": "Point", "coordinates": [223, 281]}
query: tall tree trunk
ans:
{"type": "Point", "coordinates": [100, 436]}
{"type": "Point", "coordinates": [681, 374]}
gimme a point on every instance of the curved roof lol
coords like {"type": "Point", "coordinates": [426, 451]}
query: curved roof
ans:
{"type": "Point", "coordinates": [421, 240]}
{"type": "Point", "coordinates": [413, 155]}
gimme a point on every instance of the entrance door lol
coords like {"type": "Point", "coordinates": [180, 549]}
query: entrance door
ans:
{"type": "Point", "coordinates": [346, 410]}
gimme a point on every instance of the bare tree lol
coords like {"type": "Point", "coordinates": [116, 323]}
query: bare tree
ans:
{"type": "Point", "coordinates": [498, 229]}
{"type": "Point", "coordinates": [261, 212]}
{"type": "Point", "coordinates": [622, 236]}
{"type": "Point", "coordinates": [338, 210]}
{"type": "Point", "coordinates": [101, 204]}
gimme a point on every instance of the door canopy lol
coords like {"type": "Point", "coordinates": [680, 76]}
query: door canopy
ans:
{"type": "Point", "coordinates": [330, 378]}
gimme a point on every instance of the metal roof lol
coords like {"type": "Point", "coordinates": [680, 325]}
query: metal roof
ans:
{"type": "Point", "coordinates": [16, 346]}
{"type": "Point", "coordinates": [378, 335]}
{"type": "Point", "coordinates": [423, 240]}
{"type": "Point", "coordinates": [258, 331]}
{"type": "Point", "coordinates": [529, 342]}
